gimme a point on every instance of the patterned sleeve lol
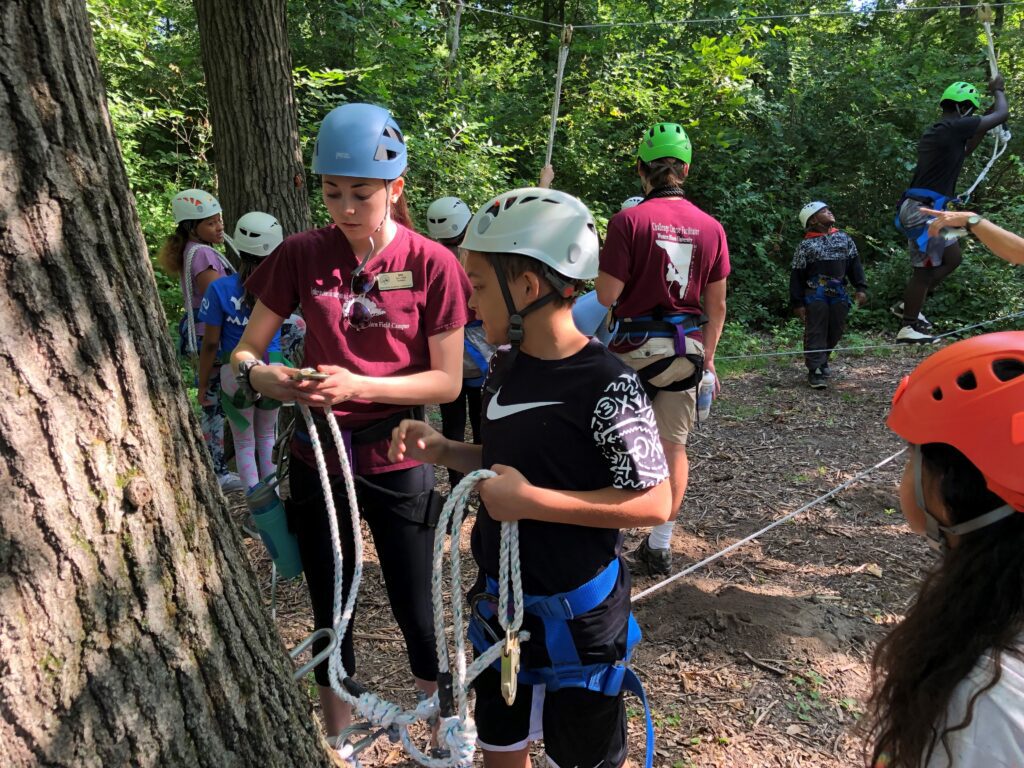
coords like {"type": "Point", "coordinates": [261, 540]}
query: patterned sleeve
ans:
{"type": "Point", "coordinates": [210, 310]}
{"type": "Point", "coordinates": [625, 431]}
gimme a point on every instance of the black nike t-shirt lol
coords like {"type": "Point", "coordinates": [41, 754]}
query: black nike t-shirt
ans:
{"type": "Point", "coordinates": [941, 153]}
{"type": "Point", "coordinates": [580, 424]}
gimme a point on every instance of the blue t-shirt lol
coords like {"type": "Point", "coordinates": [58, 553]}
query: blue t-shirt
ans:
{"type": "Point", "coordinates": [222, 305]}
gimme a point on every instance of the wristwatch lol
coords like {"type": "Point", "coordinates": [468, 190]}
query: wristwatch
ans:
{"type": "Point", "coordinates": [244, 384]}
{"type": "Point", "coordinates": [972, 221]}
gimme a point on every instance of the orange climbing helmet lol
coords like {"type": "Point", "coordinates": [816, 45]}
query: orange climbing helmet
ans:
{"type": "Point", "coordinates": [970, 395]}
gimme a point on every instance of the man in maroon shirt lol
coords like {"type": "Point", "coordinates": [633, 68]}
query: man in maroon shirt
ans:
{"type": "Point", "coordinates": [663, 271]}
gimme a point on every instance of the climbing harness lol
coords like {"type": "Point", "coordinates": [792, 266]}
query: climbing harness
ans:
{"type": "Point", "coordinates": [830, 290]}
{"type": "Point", "coordinates": [1000, 133]}
{"type": "Point", "coordinates": [563, 55]}
{"type": "Point", "coordinates": [478, 358]}
{"type": "Point", "coordinates": [635, 331]}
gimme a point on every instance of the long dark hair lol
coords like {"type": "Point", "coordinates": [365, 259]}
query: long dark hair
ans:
{"type": "Point", "coordinates": [247, 264]}
{"type": "Point", "coordinates": [971, 603]}
{"type": "Point", "coordinates": [172, 252]}
{"type": "Point", "coordinates": [664, 172]}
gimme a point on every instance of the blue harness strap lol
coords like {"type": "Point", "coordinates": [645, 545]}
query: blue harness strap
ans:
{"type": "Point", "coordinates": [827, 289]}
{"type": "Point", "coordinates": [476, 356]}
{"type": "Point", "coordinates": [919, 234]}
{"type": "Point", "coordinates": [567, 670]}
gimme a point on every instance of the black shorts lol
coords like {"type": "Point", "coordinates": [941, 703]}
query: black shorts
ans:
{"type": "Point", "coordinates": [579, 728]}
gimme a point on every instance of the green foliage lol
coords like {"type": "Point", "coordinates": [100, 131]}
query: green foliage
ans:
{"type": "Point", "coordinates": [780, 112]}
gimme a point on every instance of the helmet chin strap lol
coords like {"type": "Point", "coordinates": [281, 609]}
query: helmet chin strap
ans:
{"type": "Point", "coordinates": [387, 215]}
{"type": "Point", "coordinates": [515, 328]}
{"type": "Point", "coordinates": [938, 534]}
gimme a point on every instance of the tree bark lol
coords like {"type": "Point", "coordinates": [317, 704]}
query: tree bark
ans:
{"type": "Point", "coordinates": [248, 66]}
{"type": "Point", "coordinates": [131, 626]}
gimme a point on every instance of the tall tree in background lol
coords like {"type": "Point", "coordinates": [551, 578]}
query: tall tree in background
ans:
{"type": "Point", "coordinates": [131, 627]}
{"type": "Point", "coordinates": [248, 67]}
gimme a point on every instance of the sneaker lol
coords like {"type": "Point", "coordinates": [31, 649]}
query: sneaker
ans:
{"type": "Point", "coordinates": [915, 333]}
{"type": "Point", "coordinates": [230, 483]}
{"type": "Point", "coordinates": [897, 309]}
{"type": "Point", "coordinates": [653, 562]}
{"type": "Point", "coordinates": [816, 379]}
{"type": "Point", "coordinates": [826, 371]}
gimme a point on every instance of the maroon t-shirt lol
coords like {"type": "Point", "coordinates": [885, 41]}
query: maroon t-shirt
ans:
{"type": "Point", "coordinates": [420, 291]}
{"type": "Point", "coordinates": [666, 251]}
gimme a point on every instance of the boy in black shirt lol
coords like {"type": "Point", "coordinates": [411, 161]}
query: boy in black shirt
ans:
{"type": "Point", "coordinates": [940, 156]}
{"type": "Point", "coordinates": [824, 262]}
{"type": "Point", "coordinates": [572, 436]}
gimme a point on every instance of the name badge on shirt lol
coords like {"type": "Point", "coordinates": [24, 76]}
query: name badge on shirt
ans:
{"type": "Point", "coordinates": [390, 281]}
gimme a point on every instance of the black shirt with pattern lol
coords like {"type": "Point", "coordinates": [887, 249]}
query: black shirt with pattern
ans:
{"type": "Point", "coordinates": [832, 254]}
{"type": "Point", "coordinates": [582, 423]}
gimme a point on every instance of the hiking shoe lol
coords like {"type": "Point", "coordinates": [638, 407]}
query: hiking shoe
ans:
{"type": "Point", "coordinates": [826, 371]}
{"type": "Point", "coordinates": [230, 483]}
{"type": "Point", "coordinates": [915, 333]}
{"type": "Point", "coordinates": [897, 309]}
{"type": "Point", "coordinates": [816, 379]}
{"type": "Point", "coordinates": [653, 562]}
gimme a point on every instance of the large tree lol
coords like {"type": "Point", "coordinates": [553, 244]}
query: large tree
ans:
{"type": "Point", "coordinates": [248, 66]}
{"type": "Point", "coordinates": [131, 626]}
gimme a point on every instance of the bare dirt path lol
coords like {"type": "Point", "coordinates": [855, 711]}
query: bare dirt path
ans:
{"type": "Point", "coordinates": [761, 658]}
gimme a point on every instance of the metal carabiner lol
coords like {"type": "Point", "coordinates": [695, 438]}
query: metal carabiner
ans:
{"type": "Point", "coordinates": [510, 667]}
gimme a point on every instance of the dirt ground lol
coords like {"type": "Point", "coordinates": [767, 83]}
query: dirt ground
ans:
{"type": "Point", "coordinates": [761, 658]}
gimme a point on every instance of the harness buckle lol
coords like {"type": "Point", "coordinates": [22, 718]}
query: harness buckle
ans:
{"type": "Point", "coordinates": [510, 667]}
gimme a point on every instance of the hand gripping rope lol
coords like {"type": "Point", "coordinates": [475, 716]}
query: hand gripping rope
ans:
{"type": "Point", "coordinates": [456, 731]}
{"type": "Point", "coordinates": [1001, 133]}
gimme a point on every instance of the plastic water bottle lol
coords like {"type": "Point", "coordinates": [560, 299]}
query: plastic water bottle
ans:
{"type": "Point", "coordinates": [272, 523]}
{"type": "Point", "coordinates": [705, 394]}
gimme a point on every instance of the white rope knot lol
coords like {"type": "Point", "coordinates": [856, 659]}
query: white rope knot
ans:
{"type": "Point", "coordinates": [460, 737]}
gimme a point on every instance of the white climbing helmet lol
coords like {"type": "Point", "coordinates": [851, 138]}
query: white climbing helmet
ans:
{"type": "Point", "coordinates": [193, 205]}
{"type": "Point", "coordinates": [257, 234]}
{"type": "Point", "coordinates": [545, 224]}
{"type": "Point", "coordinates": [809, 210]}
{"type": "Point", "coordinates": [447, 217]}
{"type": "Point", "coordinates": [631, 202]}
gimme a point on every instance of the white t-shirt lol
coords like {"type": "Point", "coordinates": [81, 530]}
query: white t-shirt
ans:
{"type": "Point", "coordinates": [995, 736]}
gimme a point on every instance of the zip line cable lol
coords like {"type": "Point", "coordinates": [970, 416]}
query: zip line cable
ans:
{"type": "Point", "coordinates": [738, 19]}
{"type": "Point", "coordinates": [736, 545]}
{"type": "Point", "coordinates": [892, 345]}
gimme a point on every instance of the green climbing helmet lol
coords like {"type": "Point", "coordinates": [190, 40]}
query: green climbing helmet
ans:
{"type": "Point", "coordinates": [665, 140]}
{"type": "Point", "coordinates": [962, 92]}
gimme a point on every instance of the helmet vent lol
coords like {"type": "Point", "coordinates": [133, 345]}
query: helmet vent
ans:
{"type": "Point", "coordinates": [510, 202]}
{"type": "Point", "coordinates": [937, 393]}
{"type": "Point", "coordinates": [1008, 369]}
{"type": "Point", "coordinates": [966, 381]}
{"type": "Point", "coordinates": [391, 133]}
{"type": "Point", "coordinates": [529, 199]}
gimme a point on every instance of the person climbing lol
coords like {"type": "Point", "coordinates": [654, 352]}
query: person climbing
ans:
{"type": "Point", "coordinates": [384, 308]}
{"type": "Point", "coordinates": [447, 219]}
{"type": "Point", "coordinates": [224, 312]}
{"type": "Point", "coordinates": [948, 681]}
{"type": "Point", "coordinates": [1004, 244]}
{"type": "Point", "coordinates": [824, 262]}
{"type": "Point", "coordinates": [571, 434]}
{"type": "Point", "coordinates": [188, 254]}
{"type": "Point", "coordinates": [940, 157]}
{"type": "Point", "coordinates": [663, 272]}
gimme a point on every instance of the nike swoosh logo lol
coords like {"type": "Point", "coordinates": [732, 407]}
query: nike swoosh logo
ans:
{"type": "Point", "coordinates": [496, 410]}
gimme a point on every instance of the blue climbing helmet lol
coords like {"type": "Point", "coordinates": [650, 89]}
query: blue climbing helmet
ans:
{"type": "Point", "coordinates": [361, 140]}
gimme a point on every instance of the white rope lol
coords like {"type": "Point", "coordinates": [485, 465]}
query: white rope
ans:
{"type": "Point", "coordinates": [193, 339]}
{"type": "Point", "coordinates": [563, 55]}
{"type": "Point", "coordinates": [736, 545]}
{"type": "Point", "coordinates": [1000, 133]}
{"type": "Point", "coordinates": [456, 731]}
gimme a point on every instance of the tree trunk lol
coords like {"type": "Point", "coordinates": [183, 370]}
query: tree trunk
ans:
{"type": "Point", "coordinates": [248, 67]}
{"type": "Point", "coordinates": [131, 627]}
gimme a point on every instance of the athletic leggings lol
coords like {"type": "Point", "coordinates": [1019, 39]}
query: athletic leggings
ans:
{"type": "Point", "coordinates": [453, 421]}
{"type": "Point", "coordinates": [404, 550]}
{"type": "Point", "coordinates": [255, 442]}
